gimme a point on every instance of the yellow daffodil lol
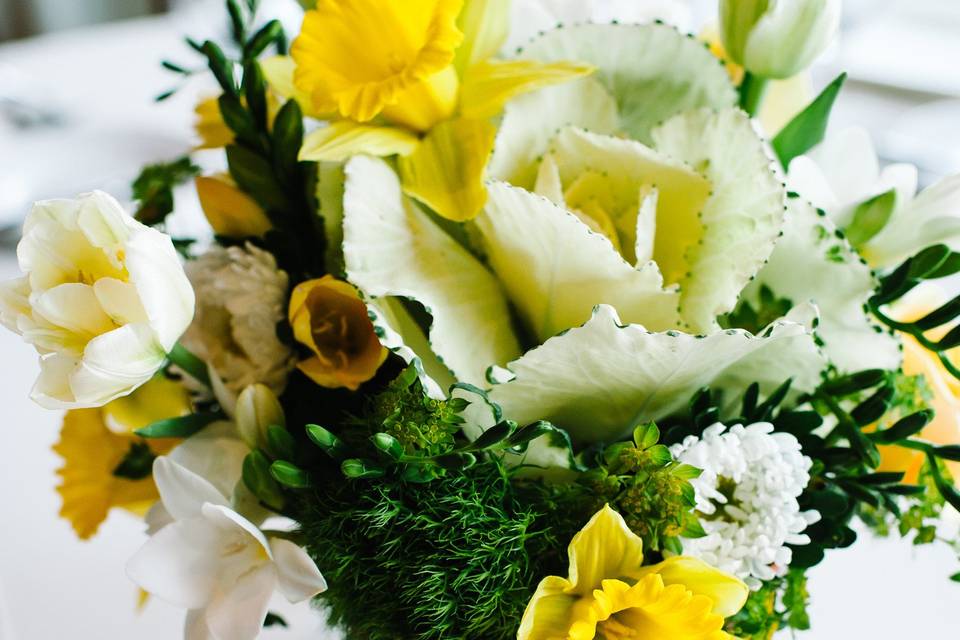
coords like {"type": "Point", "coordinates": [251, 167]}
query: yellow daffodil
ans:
{"type": "Point", "coordinates": [230, 211]}
{"type": "Point", "coordinates": [94, 442]}
{"type": "Point", "coordinates": [329, 317]}
{"type": "Point", "coordinates": [608, 595]}
{"type": "Point", "coordinates": [412, 78]}
{"type": "Point", "coordinates": [209, 125]}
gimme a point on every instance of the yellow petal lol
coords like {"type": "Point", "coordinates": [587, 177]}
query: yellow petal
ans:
{"type": "Point", "coordinates": [485, 25]}
{"type": "Point", "coordinates": [423, 104]}
{"type": "Point", "coordinates": [548, 613]}
{"type": "Point", "coordinates": [362, 54]}
{"type": "Point", "coordinates": [230, 212]}
{"type": "Point", "coordinates": [488, 85]}
{"type": "Point", "coordinates": [278, 72]}
{"type": "Point", "coordinates": [726, 592]}
{"type": "Point", "coordinates": [158, 399]}
{"type": "Point", "coordinates": [209, 125]}
{"type": "Point", "coordinates": [446, 171]}
{"type": "Point", "coordinates": [605, 548]}
{"type": "Point", "coordinates": [343, 139]}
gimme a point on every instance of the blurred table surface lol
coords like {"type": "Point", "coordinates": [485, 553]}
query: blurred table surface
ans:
{"type": "Point", "coordinates": [103, 80]}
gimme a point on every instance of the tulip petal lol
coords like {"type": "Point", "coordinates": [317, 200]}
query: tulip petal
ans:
{"type": "Point", "coordinates": [297, 573]}
{"type": "Point", "coordinates": [392, 248]}
{"type": "Point", "coordinates": [74, 307]}
{"type": "Point", "coordinates": [116, 363]}
{"type": "Point", "coordinates": [164, 290]}
{"type": "Point", "coordinates": [599, 380]}
{"type": "Point", "coordinates": [180, 564]}
{"type": "Point", "coordinates": [52, 388]}
{"type": "Point", "coordinates": [103, 221]}
{"type": "Point", "coordinates": [556, 269]}
{"type": "Point", "coordinates": [119, 300]}
{"type": "Point", "coordinates": [238, 614]}
{"type": "Point", "coordinates": [727, 593]}
{"type": "Point", "coordinates": [182, 491]}
{"type": "Point", "coordinates": [790, 35]}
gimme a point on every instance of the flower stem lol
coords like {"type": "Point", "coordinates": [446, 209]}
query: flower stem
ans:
{"type": "Point", "coordinates": [191, 364]}
{"type": "Point", "coordinates": [752, 90]}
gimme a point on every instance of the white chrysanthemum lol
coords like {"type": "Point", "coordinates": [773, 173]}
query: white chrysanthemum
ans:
{"type": "Point", "coordinates": [747, 495]}
{"type": "Point", "coordinates": [241, 297]}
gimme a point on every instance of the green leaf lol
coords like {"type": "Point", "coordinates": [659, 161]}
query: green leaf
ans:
{"type": "Point", "coordinates": [946, 488]}
{"type": "Point", "coordinates": [854, 383]}
{"type": "Point", "coordinates": [273, 619]}
{"type": "Point", "coordinates": [153, 188]}
{"type": "Point", "coordinates": [387, 444]}
{"type": "Point", "coordinates": [646, 435]}
{"type": "Point", "coordinates": [267, 34]}
{"type": "Point", "coordinates": [260, 481]}
{"type": "Point", "coordinates": [939, 316]}
{"type": "Point", "coordinates": [660, 455]}
{"type": "Point", "coordinates": [686, 472]}
{"type": "Point", "coordinates": [290, 475]}
{"type": "Point", "coordinates": [180, 427]}
{"type": "Point", "coordinates": [137, 463]}
{"type": "Point", "coordinates": [331, 444]}
{"type": "Point", "coordinates": [948, 452]}
{"type": "Point", "coordinates": [457, 461]}
{"type": "Point", "coordinates": [254, 175]}
{"type": "Point", "coordinates": [221, 67]}
{"type": "Point", "coordinates": [356, 469]}
{"type": "Point", "coordinates": [280, 442]}
{"type": "Point", "coordinates": [955, 577]}
{"type": "Point", "coordinates": [808, 128]}
{"type": "Point", "coordinates": [492, 436]}
{"type": "Point", "coordinates": [287, 138]}
{"type": "Point", "coordinates": [238, 119]}
{"type": "Point", "coordinates": [883, 477]}
{"type": "Point", "coordinates": [905, 427]}
{"type": "Point", "coordinates": [870, 217]}
{"type": "Point", "coordinates": [255, 91]}
{"type": "Point", "coordinates": [238, 21]}
{"type": "Point", "coordinates": [693, 529]}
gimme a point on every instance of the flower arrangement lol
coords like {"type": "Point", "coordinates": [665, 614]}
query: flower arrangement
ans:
{"type": "Point", "coordinates": [581, 340]}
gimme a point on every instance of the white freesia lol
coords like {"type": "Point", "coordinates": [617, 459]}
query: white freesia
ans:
{"type": "Point", "coordinates": [778, 38]}
{"type": "Point", "coordinates": [216, 563]}
{"type": "Point", "coordinates": [103, 299]}
{"type": "Point", "coordinates": [748, 490]}
{"type": "Point", "coordinates": [843, 173]}
{"type": "Point", "coordinates": [241, 298]}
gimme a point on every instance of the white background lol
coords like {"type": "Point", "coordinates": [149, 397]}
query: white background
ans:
{"type": "Point", "coordinates": [52, 586]}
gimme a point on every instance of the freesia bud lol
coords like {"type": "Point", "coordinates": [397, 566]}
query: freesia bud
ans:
{"type": "Point", "coordinates": [257, 409]}
{"type": "Point", "coordinates": [777, 38]}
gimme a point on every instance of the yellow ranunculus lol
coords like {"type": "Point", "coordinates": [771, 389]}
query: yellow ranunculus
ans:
{"type": "Point", "coordinates": [608, 595]}
{"type": "Point", "coordinates": [329, 317]}
{"type": "Point", "coordinates": [420, 67]}
{"type": "Point", "coordinates": [230, 211]}
{"type": "Point", "coordinates": [93, 442]}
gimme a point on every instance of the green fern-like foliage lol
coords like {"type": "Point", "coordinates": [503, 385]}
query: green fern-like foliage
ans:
{"type": "Point", "coordinates": [455, 558]}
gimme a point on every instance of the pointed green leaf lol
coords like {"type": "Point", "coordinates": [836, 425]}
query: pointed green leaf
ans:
{"type": "Point", "coordinates": [181, 427]}
{"type": "Point", "coordinates": [808, 128]}
{"type": "Point", "coordinates": [290, 475]}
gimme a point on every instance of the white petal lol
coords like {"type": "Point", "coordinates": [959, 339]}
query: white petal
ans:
{"type": "Point", "coordinates": [164, 290]}
{"type": "Point", "coordinates": [52, 388]}
{"type": "Point", "coordinates": [14, 301]}
{"type": "Point", "coordinates": [216, 459]}
{"type": "Point", "coordinates": [298, 575]}
{"type": "Point", "coordinates": [116, 363]}
{"type": "Point", "coordinates": [119, 301]}
{"type": "Point", "coordinates": [183, 492]}
{"type": "Point", "coordinates": [195, 626]}
{"type": "Point", "coordinates": [392, 248]}
{"type": "Point", "coordinates": [75, 307]}
{"type": "Point", "coordinates": [238, 614]}
{"type": "Point", "coordinates": [181, 563]}
{"type": "Point", "coordinates": [229, 520]}
{"type": "Point", "coordinates": [103, 221]}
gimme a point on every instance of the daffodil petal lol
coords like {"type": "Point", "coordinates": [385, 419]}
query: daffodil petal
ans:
{"type": "Point", "coordinates": [727, 593]}
{"type": "Point", "coordinates": [231, 212]}
{"type": "Point", "coordinates": [485, 25]}
{"type": "Point", "coordinates": [446, 171]}
{"type": "Point", "coordinates": [488, 85]}
{"type": "Point", "coordinates": [278, 72]}
{"type": "Point", "coordinates": [605, 548]}
{"type": "Point", "coordinates": [556, 269]}
{"type": "Point", "coordinates": [344, 139]}
{"type": "Point", "coordinates": [547, 615]}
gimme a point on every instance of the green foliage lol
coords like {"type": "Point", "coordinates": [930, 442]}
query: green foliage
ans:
{"type": "Point", "coordinates": [153, 188]}
{"type": "Point", "coordinates": [933, 263]}
{"type": "Point", "coordinates": [808, 128]}
{"type": "Point", "coordinates": [870, 217]}
{"type": "Point", "coordinates": [780, 603]}
{"type": "Point", "coordinates": [641, 480]}
{"type": "Point", "coordinates": [455, 558]}
{"type": "Point", "coordinates": [137, 463]}
{"type": "Point", "coordinates": [754, 319]}
{"type": "Point", "coordinates": [179, 427]}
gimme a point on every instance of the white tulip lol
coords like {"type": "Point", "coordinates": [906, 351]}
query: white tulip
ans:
{"type": "Point", "coordinates": [778, 38]}
{"type": "Point", "coordinates": [216, 563]}
{"type": "Point", "coordinates": [103, 299]}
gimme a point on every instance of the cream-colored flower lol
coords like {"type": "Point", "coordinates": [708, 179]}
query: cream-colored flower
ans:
{"type": "Point", "coordinates": [103, 299]}
{"type": "Point", "coordinates": [241, 297]}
